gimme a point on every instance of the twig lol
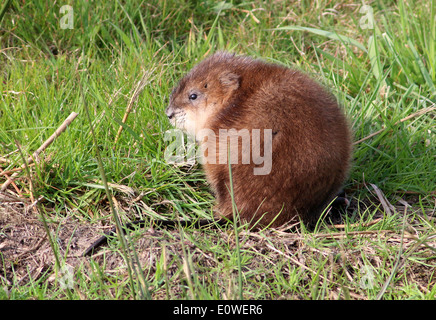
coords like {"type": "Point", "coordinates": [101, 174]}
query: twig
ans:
{"type": "Point", "coordinates": [8, 179]}
{"type": "Point", "coordinates": [387, 206]}
{"type": "Point", "coordinates": [4, 160]}
{"type": "Point", "coordinates": [6, 173]}
{"type": "Point", "coordinates": [340, 235]}
{"type": "Point", "coordinates": [343, 226]}
{"type": "Point", "coordinates": [418, 113]}
{"type": "Point", "coordinates": [35, 155]}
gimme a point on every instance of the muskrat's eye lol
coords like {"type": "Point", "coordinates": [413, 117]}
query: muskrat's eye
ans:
{"type": "Point", "coordinates": [192, 96]}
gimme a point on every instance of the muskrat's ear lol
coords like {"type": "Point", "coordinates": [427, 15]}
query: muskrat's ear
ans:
{"type": "Point", "coordinates": [230, 80]}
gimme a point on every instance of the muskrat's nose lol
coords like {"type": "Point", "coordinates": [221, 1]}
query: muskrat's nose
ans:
{"type": "Point", "coordinates": [169, 112]}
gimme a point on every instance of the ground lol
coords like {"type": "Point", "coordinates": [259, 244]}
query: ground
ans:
{"type": "Point", "coordinates": [349, 259]}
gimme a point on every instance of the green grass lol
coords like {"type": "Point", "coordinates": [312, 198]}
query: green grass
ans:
{"type": "Point", "coordinates": [384, 77]}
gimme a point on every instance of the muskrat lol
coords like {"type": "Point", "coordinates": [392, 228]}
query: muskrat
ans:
{"type": "Point", "coordinates": [308, 150]}
{"type": "Point", "coordinates": [282, 135]}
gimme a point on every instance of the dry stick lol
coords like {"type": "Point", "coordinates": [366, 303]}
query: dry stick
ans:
{"type": "Point", "coordinates": [387, 206]}
{"type": "Point", "coordinates": [340, 235]}
{"type": "Point", "coordinates": [4, 160]}
{"type": "Point", "coordinates": [364, 225]}
{"type": "Point", "coordinates": [2, 173]}
{"type": "Point", "coordinates": [138, 89]}
{"type": "Point", "coordinates": [6, 173]}
{"type": "Point", "coordinates": [47, 142]}
{"type": "Point", "coordinates": [418, 113]}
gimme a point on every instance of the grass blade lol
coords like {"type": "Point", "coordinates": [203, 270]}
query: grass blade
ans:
{"type": "Point", "coordinates": [422, 68]}
{"type": "Point", "coordinates": [235, 226]}
{"type": "Point", "coordinates": [328, 34]}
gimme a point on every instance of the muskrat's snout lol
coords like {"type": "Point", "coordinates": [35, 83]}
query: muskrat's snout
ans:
{"type": "Point", "coordinates": [169, 111]}
{"type": "Point", "coordinates": [173, 114]}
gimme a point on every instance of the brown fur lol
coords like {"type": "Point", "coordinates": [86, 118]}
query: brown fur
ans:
{"type": "Point", "coordinates": [311, 143]}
